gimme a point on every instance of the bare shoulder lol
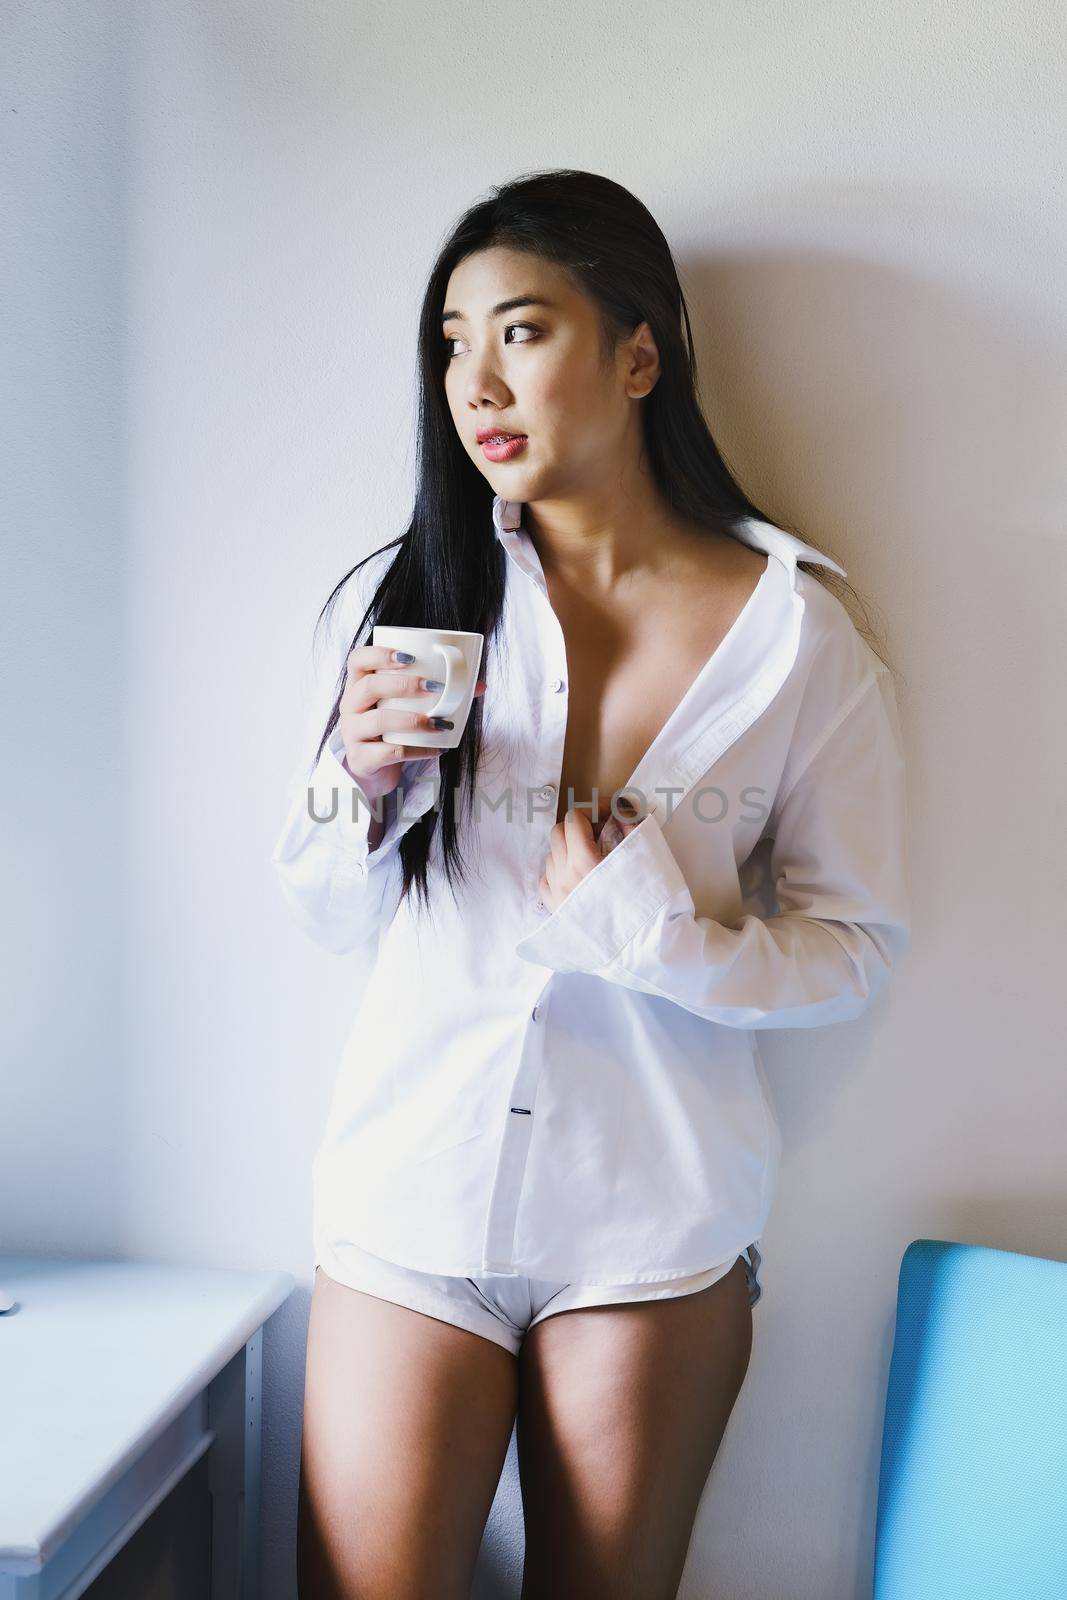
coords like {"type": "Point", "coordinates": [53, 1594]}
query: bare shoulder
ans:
{"type": "Point", "coordinates": [723, 567]}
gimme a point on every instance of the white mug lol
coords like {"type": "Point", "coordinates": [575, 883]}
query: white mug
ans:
{"type": "Point", "coordinates": [441, 653]}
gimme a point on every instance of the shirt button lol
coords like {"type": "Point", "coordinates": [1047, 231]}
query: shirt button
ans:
{"type": "Point", "coordinates": [536, 1012]}
{"type": "Point", "coordinates": [556, 685]}
{"type": "Point", "coordinates": [359, 870]}
{"type": "Point", "coordinates": [545, 792]}
{"type": "Point", "coordinates": [540, 905]}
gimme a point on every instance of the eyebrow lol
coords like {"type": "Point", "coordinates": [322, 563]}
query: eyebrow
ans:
{"type": "Point", "coordinates": [504, 305]}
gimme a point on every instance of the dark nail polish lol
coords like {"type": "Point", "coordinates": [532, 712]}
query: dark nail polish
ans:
{"type": "Point", "coordinates": [403, 655]}
{"type": "Point", "coordinates": [432, 683]}
{"type": "Point", "coordinates": [441, 722]}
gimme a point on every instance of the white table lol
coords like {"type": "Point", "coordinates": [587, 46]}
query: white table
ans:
{"type": "Point", "coordinates": [115, 1378]}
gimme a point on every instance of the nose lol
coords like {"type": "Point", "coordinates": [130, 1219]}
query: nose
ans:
{"type": "Point", "coordinates": [485, 387]}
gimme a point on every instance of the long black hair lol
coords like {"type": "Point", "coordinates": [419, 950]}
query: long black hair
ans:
{"type": "Point", "coordinates": [449, 569]}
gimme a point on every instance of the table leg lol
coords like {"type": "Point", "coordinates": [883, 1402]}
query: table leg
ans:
{"type": "Point", "coordinates": [234, 1461]}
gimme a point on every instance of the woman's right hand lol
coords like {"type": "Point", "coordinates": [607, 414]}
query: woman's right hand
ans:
{"type": "Point", "coordinates": [373, 675]}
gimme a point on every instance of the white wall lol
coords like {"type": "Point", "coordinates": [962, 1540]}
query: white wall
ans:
{"type": "Point", "coordinates": [62, 474]}
{"type": "Point", "coordinates": [210, 380]}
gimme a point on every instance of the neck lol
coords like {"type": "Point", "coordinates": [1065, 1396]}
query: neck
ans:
{"type": "Point", "coordinates": [595, 541]}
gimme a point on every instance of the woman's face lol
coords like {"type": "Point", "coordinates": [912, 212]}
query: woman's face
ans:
{"type": "Point", "coordinates": [539, 370]}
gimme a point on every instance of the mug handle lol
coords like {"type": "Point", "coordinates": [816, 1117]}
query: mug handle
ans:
{"type": "Point", "coordinates": [452, 693]}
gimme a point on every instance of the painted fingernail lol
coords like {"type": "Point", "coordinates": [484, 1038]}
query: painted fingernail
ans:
{"type": "Point", "coordinates": [431, 683]}
{"type": "Point", "coordinates": [402, 655]}
{"type": "Point", "coordinates": [441, 722]}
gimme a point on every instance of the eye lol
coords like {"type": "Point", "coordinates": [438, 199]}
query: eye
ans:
{"type": "Point", "coordinates": [527, 326]}
{"type": "Point", "coordinates": [451, 338]}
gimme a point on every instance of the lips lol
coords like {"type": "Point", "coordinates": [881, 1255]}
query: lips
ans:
{"type": "Point", "coordinates": [501, 447]}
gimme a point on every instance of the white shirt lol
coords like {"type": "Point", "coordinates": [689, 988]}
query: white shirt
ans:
{"type": "Point", "coordinates": [578, 1094]}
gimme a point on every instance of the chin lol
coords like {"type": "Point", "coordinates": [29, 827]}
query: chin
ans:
{"type": "Point", "coordinates": [517, 482]}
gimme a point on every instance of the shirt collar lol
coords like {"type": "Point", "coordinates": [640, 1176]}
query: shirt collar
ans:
{"type": "Point", "coordinates": [753, 531]}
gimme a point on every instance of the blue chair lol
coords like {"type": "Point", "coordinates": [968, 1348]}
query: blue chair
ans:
{"type": "Point", "coordinates": [972, 1491]}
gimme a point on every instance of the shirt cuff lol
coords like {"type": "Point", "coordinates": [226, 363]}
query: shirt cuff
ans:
{"type": "Point", "coordinates": [349, 829]}
{"type": "Point", "coordinates": [607, 907]}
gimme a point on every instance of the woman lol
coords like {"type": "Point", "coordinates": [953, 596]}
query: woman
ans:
{"type": "Point", "coordinates": [551, 1151]}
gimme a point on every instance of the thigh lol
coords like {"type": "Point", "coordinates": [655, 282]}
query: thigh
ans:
{"type": "Point", "coordinates": [407, 1421]}
{"type": "Point", "coordinates": [621, 1412]}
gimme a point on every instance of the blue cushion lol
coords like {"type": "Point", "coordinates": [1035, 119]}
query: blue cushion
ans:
{"type": "Point", "coordinates": [972, 1494]}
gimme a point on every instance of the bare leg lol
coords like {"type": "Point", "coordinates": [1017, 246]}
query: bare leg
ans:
{"type": "Point", "coordinates": [407, 1421]}
{"type": "Point", "coordinates": [621, 1412]}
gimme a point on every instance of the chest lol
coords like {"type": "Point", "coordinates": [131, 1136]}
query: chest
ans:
{"type": "Point", "coordinates": [628, 675]}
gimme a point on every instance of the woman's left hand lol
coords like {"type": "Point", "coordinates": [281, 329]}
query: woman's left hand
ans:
{"type": "Point", "coordinates": [574, 853]}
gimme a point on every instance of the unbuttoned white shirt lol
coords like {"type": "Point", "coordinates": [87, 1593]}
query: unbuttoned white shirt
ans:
{"type": "Point", "coordinates": [578, 1094]}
